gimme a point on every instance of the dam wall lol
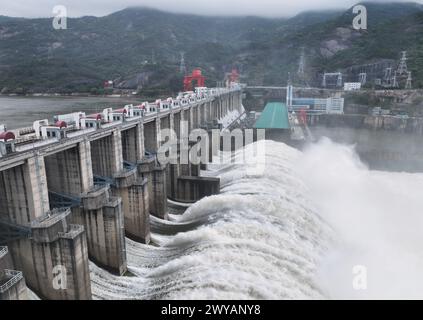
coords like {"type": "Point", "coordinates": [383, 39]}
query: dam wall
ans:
{"type": "Point", "coordinates": [70, 193]}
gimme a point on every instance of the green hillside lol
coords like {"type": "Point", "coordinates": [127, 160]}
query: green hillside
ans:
{"type": "Point", "coordinates": [140, 47]}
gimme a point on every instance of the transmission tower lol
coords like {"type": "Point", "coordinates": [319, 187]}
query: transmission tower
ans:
{"type": "Point", "coordinates": [301, 66]}
{"type": "Point", "coordinates": [339, 80]}
{"type": "Point", "coordinates": [402, 67]}
{"type": "Point", "coordinates": [182, 66]}
{"type": "Point", "coordinates": [388, 73]}
{"type": "Point", "coordinates": [409, 80]}
{"type": "Point", "coordinates": [362, 78]}
{"type": "Point", "coordinates": [338, 75]}
{"type": "Point", "coordinates": [153, 57]}
{"type": "Point", "coordinates": [388, 77]}
{"type": "Point", "coordinates": [394, 81]}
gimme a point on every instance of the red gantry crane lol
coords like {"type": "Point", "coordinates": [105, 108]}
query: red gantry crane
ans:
{"type": "Point", "coordinates": [195, 76]}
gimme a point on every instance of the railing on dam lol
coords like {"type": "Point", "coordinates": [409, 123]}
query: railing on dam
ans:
{"type": "Point", "coordinates": [10, 231]}
{"type": "Point", "coordinates": [147, 112]}
{"type": "Point", "coordinates": [3, 251]}
{"type": "Point", "coordinates": [100, 181]}
{"type": "Point", "coordinates": [59, 200]}
{"type": "Point", "coordinates": [73, 231]}
{"type": "Point", "coordinates": [52, 217]}
{"type": "Point", "coordinates": [13, 276]}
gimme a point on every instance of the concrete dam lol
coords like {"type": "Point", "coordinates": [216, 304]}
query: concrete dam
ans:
{"type": "Point", "coordinates": [70, 192]}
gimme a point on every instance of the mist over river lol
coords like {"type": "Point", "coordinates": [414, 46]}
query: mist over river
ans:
{"type": "Point", "coordinates": [295, 230]}
{"type": "Point", "coordinates": [379, 149]}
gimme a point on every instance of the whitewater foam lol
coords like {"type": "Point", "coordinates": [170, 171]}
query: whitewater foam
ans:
{"type": "Point", "coordinates": [293, 231]}
{"type": "Point", "coordinates": [258, 239]}
{"type": "Point", "coordinates": [378, 219]}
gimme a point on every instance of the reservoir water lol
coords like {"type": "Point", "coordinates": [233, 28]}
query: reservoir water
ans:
{"type": "Point", "coordinates": [18, 112]}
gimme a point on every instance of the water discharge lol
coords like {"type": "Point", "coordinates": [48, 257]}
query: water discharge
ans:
{"type": "Point", "coordinates": [378, 219]}
{"type": "Point", "coordinates": [294, 231]}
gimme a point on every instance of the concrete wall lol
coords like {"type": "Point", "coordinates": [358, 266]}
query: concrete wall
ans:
{"type": "Point", "coordinates": [165, 122]}
{"type": "Point", "coordinates": [183, 181]}
{"type": "Point", "coordinates": [133, 144]}
{"type": "Point", "coordinates": [150, 136]}
{"type": "Point", "coordinates": [136, 192]}
{"type": "Point", "coordinates": [156, 186]}
{"type": "Point", "coordinates": [173, 173]}
{"type": "Point", "coordinates": [159, 193]}
{"type": "Point", "coordinates": [106, 155]}
{"type": "Point", "coordinates": [64, 172]}
{"type": "Point", "coordinates": [25, 201]}
{"type": "Point", "coordinates": [54, 244]}
{"type": "Point", "coordinates": [105, 231]}
{"type": "Point", "coordinates": [23, 191]}
{"type": "Point", "coordinates": [177, 124]}
{"type": "Point", "coordinates": [186, 116]}
{"type": "Point", "coordinates": [136, 206]}
{"type": "Point", "coordinates": [5, 260]}
{"type": "Point", "coordinates": [18, 291]}
{"type": "Point", "coordinates": [70, 172]}
{"type": "Point", "coordinates": [86, 165]}
{"type": "Point", "coordinates": [192, 189]}
{"type": "Point", "coordinates": [14, 199]}
{"type": "Point", "coordinates": [12, 283]}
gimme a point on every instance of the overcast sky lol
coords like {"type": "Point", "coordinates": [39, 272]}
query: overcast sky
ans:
{"type": "Point", "coordinates": [76, 8]}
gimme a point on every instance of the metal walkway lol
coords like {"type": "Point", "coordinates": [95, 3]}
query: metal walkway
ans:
{"type": "Point", "coordinates": [10, 232]}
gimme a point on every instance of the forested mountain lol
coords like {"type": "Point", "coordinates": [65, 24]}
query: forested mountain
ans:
{"type": "Point", "coordinates": [141, 47]}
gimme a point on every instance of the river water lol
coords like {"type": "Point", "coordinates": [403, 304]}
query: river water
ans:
{"type": "Point", "coordinates": [296, 230]}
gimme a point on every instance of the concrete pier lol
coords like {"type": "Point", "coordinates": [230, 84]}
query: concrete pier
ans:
{"type": "Point", "coordinates": [159, 192]}
{"type": "Point", "coordinates": [133, 144]}
{"type": "Point", "coordinates": [5, 259]}
{"type": "Point", "coordinates": [137, 218]}
{"type": "Point", "coordinates": [151, 141]}
{"type": "Point", "coordinates": [192, 189]}
{"type": "Point", "coordinates": [56, 253]}
{"type": "Point", "coordinates": [43, 239]}
{"type": "Point", "coordinates": [12, 285]}
{"type": "Point", "coordinates": [70, 175]}
{"type": "Point", "coordinates": [102, 215]}
{"type": "Point", "coordinates": [12, 282]}
{"type": "Point", "coordinates": [155, 174]}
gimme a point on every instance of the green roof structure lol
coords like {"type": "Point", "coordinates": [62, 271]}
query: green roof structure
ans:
{"type": "Point", "coordinates": [274, 116]}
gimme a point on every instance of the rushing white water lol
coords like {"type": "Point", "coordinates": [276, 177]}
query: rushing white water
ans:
{"type": "Point", "coordinates": [294, 231]}
{"type": "Point", "coordinates": [31, 295]}
{"type": "Point", "coordinates": [230, 117]}
{"type": "Point", "coordinates": [378, 217]}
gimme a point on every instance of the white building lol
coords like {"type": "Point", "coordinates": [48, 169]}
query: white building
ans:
{"type": "Point", "coordinates": [352, 86]}
{"type": "Point", "coordinates": [314, 105]}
